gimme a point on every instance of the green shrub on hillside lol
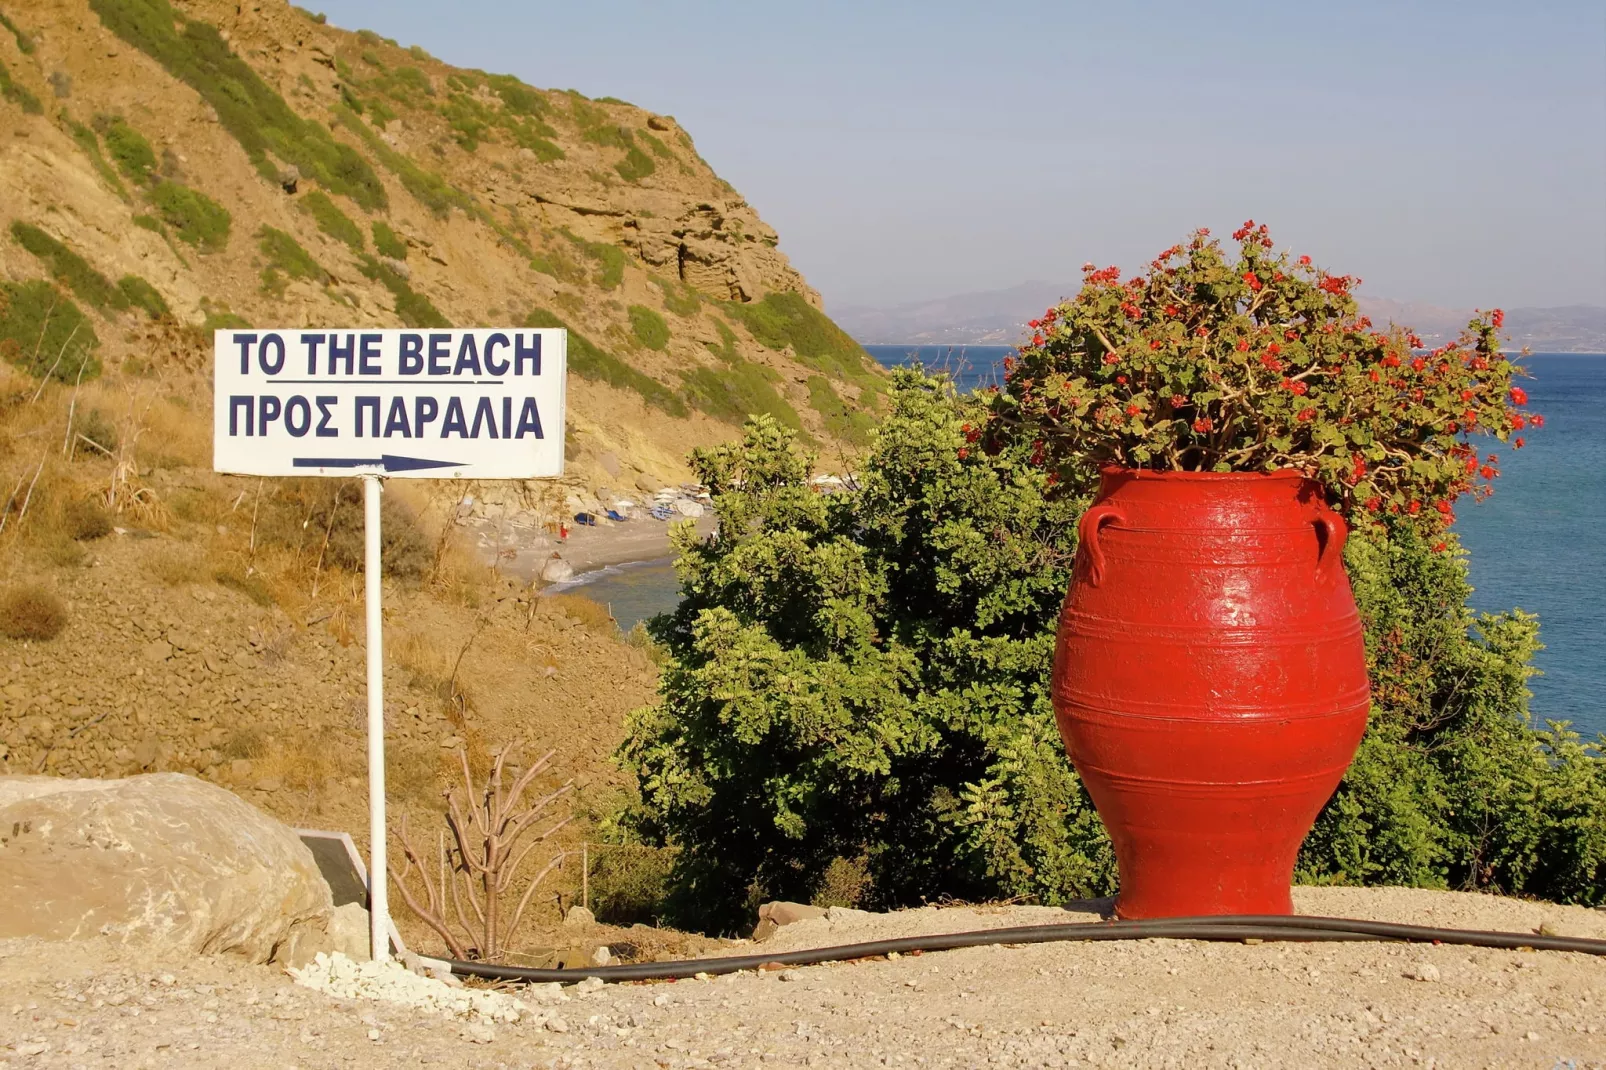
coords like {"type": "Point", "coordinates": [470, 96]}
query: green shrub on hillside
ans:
{"type": "Point", "coordinates": [331, 220]}
{"type": "Point", "coordinates": [636, 165]}
{"type": "Point", "coordinates": [250, 110]}
{"type": "Point", "coordinates": [18, 95]}
{"type": "Point", "coordinates": [286, 259]}
{"type": "Point", "coordinates": [143, 295]}
{"type": "Point", "coordinates": [739, 390]}
{"type": "Point", "coordinates": [468, 118]}
{"type": "Point", "coordinates": [648, 327]}
{"type": "Point", "coordinates": [427, 187]}
{"type": "Point", "coordinates": [610, 260]}
{"type": "Point", "coordinates": [412, 307]}
{"type": "Point", "coordinates": [25, 44]}
{"type": "Point", "coordinates": [221, 319]}
{"type": "Point", "coordinates": [864, 676]}
{"type": "Point", "coordinates": [841, 421]}
{"type": "Point", "coordinates": [556, 262]}
{"type": "Point", "coordinates": [658, 147]}
{"type": "Point", "coordinates": [90, 144]}
{"type": "Point", "coordinates": [679, 298]}
{"type": "Point", "coordinates": [66, 266]}
{"type": "Point", "coordinates": [388, 242]}
{"type": "Point", "coordinates": [44, 333]}
{"type": "Point", "coordinates": [787, 319]}
{"type": "Point", "coordinates": [589, 361]}
{"type": "Point", "coordinates": [194, 217]}
{"type": "Point", "coordinates": [129, 149]}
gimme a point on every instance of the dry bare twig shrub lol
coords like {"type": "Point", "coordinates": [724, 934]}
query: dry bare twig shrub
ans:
{"type": "Point", "coordinates": [31, 612]}
{"type": "Point", "coordinates": [489, 834]}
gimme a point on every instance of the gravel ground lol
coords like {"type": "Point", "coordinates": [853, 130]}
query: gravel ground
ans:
{"type": "Point", "coordinates": [1155, 1003]}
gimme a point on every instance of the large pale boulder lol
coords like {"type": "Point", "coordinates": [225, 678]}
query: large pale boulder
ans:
{"type": "Point", "coordinates": [163, 860]}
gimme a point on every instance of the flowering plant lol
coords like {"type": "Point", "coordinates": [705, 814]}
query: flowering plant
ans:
{"type": "Point", "coordinates": [1260, 363]}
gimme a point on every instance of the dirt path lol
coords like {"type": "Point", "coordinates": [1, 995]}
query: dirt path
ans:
{"type": "Point", "coordinates": [1156, 1003]}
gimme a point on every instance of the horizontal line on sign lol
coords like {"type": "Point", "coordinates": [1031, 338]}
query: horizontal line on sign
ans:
{"type": "Point", "coordinates": [382, 382]}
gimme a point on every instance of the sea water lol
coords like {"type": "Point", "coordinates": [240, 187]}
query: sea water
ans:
{"type": "Point", "coordinates": [1539, 544]}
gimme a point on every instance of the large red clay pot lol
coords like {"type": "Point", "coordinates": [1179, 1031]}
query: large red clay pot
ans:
{"type": "Point", "coordinates": [1210, 682]}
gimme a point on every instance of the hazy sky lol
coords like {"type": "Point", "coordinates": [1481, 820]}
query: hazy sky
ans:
{"type": "Point", "coordinates": [1450, 152]}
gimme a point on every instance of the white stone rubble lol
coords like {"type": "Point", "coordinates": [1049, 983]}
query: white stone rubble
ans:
{"type": "Point", "coordinates": [391, 982]}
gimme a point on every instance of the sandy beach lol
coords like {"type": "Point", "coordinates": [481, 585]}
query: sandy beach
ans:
{"type": "Point", "coordinates": [524, 551]}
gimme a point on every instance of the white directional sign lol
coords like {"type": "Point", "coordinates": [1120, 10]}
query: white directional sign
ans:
{"type": "Point", "coordinates": [475, 404]}
{"type": "Point", "coordinates": [471, 404]}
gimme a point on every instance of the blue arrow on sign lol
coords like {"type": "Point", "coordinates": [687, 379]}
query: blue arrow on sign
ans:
{"type": "Point", "coordinates": [388, 462]}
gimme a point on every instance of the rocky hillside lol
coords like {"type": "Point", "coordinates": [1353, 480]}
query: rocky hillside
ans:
{"type": "Point", "coordinates": [228, 163]}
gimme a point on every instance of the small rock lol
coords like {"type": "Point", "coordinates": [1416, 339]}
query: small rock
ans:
{"type": "Point", "coordinates": [579, 915]}
{"type": "Point", "coordinates": [791, 975]}
{"type": "Point", "coordinates": [590, 984]}
{"type": "Point", "coordinates": [601, 956]}
{"type": "Point", "coordinates": [373, 1034]}
{"type": "Point", "coordinates": [1424, 971]}
{"type": "Point", "coordinates": [480, 1034]}
{"type": "Point", "coordinates": [240, 768]}
{"type": "Point", "coordinates": [557, 1025]}
{"type": "Point", "coordinates": [158, 651]}
{"type": "Point", "coordinates": [268, 784]}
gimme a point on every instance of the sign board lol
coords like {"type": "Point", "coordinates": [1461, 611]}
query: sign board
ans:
{"type": "Point", "coordinates": [471, 404]}
{"type": "Point", "coordinates": [461, 404]}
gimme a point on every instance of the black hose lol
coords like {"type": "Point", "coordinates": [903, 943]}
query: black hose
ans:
{"type": "Point", "coordinates": [1226, 927]}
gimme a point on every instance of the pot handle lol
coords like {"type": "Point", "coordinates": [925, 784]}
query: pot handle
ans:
{"type": "Point", "coordinates": [1334, 533]}
{"type": "Point", "coordinates": [1088, 531]}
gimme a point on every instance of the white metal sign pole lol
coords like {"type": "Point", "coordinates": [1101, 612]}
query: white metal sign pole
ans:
{"type": "Point", "coordinates": [378, 902]}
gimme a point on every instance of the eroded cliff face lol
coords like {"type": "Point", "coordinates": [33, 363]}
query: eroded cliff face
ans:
{"type": "Point", "coordinates": [252, 164]}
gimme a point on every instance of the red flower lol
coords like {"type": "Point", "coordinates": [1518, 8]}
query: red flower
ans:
{"type": "Point", "coordinates": [1034, 324]}
{"type": "Point", "coordinates": [1467, 395]}
{"type": "Point", "coordinates": [1519, 396]}
{"type": "Point", "coordinates": [1155, 343]}
{"type": "Point", "coordinates": [1519, 442]}
{"type": "Point", "coordinates": [1487, 472]}
{"type": "Point", "coordinates": [1111, 358]}
{"type": "Point", "coordinates": [1202, 332]}
{"type": "Point", "coordinates": [1304, 261]}
{"type": "Point", "coordinates": [1243, 345]}
{"type": "Point", "coordinates": [963, 453]}
{"type": "Point", "coordinates": [1274, 349]}
{"type": "Point", "coordinates": [1037, 339]}
{"type": "Point", "coordinates": [1121, 379]}
{"type": "Point", "coordinates": [1294, 386]}
{"type": "Point", "coordinates": [1536, 420]}
{"type": "Point", "coordinates": [1289, 336]}
{"type": "Point", "coordinates": [1306, 415]}
{"type": "Point", "coordinates": [1443, 506]}
{"type": "Point", "coordinates": [1440, 547]}
{"type": "Point", "coordinates": [1498, 319]}
{"type": "Point", "coordinates": [1177, 401]}
{"type": "Point", "coordinates": [1202, 424]}
{"type": "Point", "coordinates": [1252, 279]}
{"type": "Point", "coordinates": [1132, 410]}
{"type": "Point", "coordinates": [1418, 364]}
{"type": "Point", "coordinates": [1414, 508]}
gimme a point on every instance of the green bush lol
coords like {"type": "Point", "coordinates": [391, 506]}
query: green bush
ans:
{"type": "Point", "coordinates": [66, 266]}
{"type": "Point", "coordinates": [680, 299]}
{"type": "Point", "coordinates": [787, 319]}
{"type": "Point", "coordinates": [31, 611]}
{"type": "Point", "coordinates": [25, 44]}
{"type": "Point", "coordinates": [286, 259]}
{"type": "Point", "coordinates": [388, 242]}
{"type": "Point", "coordinates": [249, 109]}
{"type": "Point", "coordinates": [90, 144]}
{"type": "Point", "coordinates": [610, 260]}
{"type": "Point", "coordinates": [636, 165]}
{"type": "Point", "coordinates": [129, 149]}
{"type": "Point", "coordinates": [18, 95]}
{"type": "Point", "coordinates": [740, 390]}
{"type": "Point", "coordinates": [194, 217]}
{"type": "Point", "coordinates": [44, 333]}
{"type": "Point", "coordinates": [331, 220]}
{"type": "Point", "coordinates": [427, 187]}
{"type": "Point", "coordinates": [412, 307]}
{"type": "Point", "coordinates": [848, 424]}
{"type": "Point", "coordinates": [589, 361]}
{"type": "Point", "coordinates": [143, 295]}
{"type": "Point", "coordinates": [863, 676]}
{"type": "Point", "coordinates": [648, 327]}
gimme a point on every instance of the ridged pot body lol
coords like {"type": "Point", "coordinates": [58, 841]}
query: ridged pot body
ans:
{"type": "Point", "coordinates": [1209, 682]}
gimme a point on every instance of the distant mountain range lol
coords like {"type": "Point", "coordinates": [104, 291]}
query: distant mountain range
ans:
{"type": "Point", "coordinates": [998, 317]}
